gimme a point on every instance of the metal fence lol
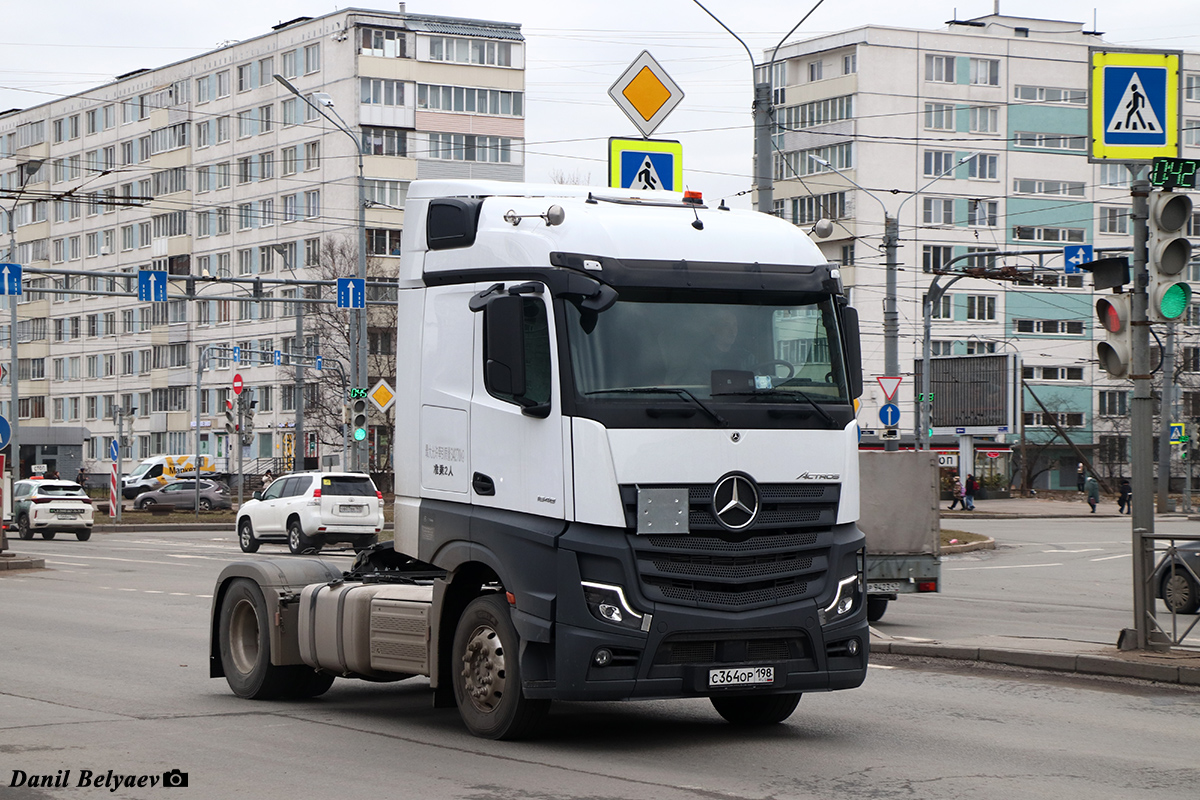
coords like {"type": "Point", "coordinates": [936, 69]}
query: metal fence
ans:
{"type": "Point", "coordinates": [1175, 572]}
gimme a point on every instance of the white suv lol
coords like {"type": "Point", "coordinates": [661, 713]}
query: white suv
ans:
{"type": "Point", "coordinates": [311, 509]}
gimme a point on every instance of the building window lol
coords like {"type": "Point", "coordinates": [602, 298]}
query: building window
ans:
{"type": "Point", "coordinates": [1063, 419]}
{"type": "Point", "coordinates": [985, 72]}
{"type": "Point", "coordinates": [1056, 188]}
{"type": "Point", "coordinates": [815, 69]}
{"type": "Point", "coordinates": [1050, 141]}
{"type": "Point", "coordinates": [1191, 87]}
{"type": "Point", "coordinates": [981, 307]}
{"type": "Point", "coordinates": [977, 347]}
{"type": "Point", "coordinates": [938, 211]}
{"type": "Point", "coordinates": [471, 147]}
{"type": "Point", "coordinates": [939, 69]}
{"type": "Point", "coordinates": [1114, 449]}
{"type": "Point", "coordinates": [1113, 404]}
{"type": "Point", "coordinates": [982, 213]}
{"type": "Point", "coordinates": [1056, 327]}
{"type": "Point", "coordinates": [386, 192]}
{"type": "Point", "coordinates": [467, 100]}
{"type": "Point", "coordinates": [382, 42]}
{"type": "Point", "coordinates": [850, 64]}
{"type": "Point", "coordinates": [984, 119]}
{"type": "Point", "coordinates": [1027, 233]}
{"type": "Point", "coordinates": [1191, 131]}
{"type": "Point", "coordinates": [982, 257]}
{"type": "Point", "coordinates": [470, 51]}
{"type": "Point", "coordinates": [943, 309]}
{"type": "Point", "coordinates": [380, 92]}
{"type": "Point", "coordinates": [312, 58]}
{"type": "Point", "coordinates": [939, 116]}
{"type": "Point", "coordinates": [938, 162]}
{"type": "Point", "coordinates": [381, 142]}
{"type": "Point", "coordinates": [312, 204]}
{"type": "Point", "coordinates": [982, 167]}
{"type": "Point", "coordinates": [1114, 219]}
{"type": "Point", "coordinates": [807, 210]}
{"type": "Point", "coordinates": [935, 256]}
{"type": "Point", "coordinates": [804, 162]}
{"type": "Point", "coordinates": [941, 347]}
{"type": "Point", "coordinates": [1046, 94]}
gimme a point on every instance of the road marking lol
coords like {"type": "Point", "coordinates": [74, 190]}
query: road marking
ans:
{"type": "Point", "coordinates": [1007, 566]}
{"type": "Point", "coordinates": [110, 558]}
{"type": "Point", "coordinates": [67, 564]}
{"type": "Point", "coordinates": [1086, 550]}
{"type": "Point", "coordinates": [126, 590]}
{"type": "Point", "coordinates": [153, 591]}
{"type": "Point", "coordinates": [179, 594]}
{"type": "Point", "coordinates": [879, 666]}
{"type": "Point", "coordinates": [1110, 558]}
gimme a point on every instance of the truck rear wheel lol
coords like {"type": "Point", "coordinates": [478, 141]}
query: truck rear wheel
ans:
{"type": "Point", "coordinates": [876, 608]}
{"type": "Point", "coordinates": [487, 675]}
{"type": "Point", "coordinates": [245, 639]}
{"type": "Point", "coordinates": [765, 709]}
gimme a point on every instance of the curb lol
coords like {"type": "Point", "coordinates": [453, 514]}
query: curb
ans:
{"type": "Point", "coordinates": [12, 561]}
{"type": "Point", "coordinates": [968, 547]}
{"type": "Point", "coordinates": [1081, 664]}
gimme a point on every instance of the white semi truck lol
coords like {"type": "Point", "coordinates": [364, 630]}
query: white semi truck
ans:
{"type": "Point", "coordinates": [626, 467]}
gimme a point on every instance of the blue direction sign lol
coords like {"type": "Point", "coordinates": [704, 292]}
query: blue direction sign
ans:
{"type": "Point", "coordinates": [1074, 255]}
{"type": "Point", "coordinates": [889, 414]}
{"type": "Point", "coordinates": [278, 357]}
{"type": "Point", "coordinates": [237, 354]}
{"type": "Point", "coordinates": [152, 285]}
{"type": "Point", "coordinates": [351, 293]}
{"type": "Point", "coordinates": [5, 431]}
{"type": "Point", "coordinates": [112, 450]}
{"type": "Point", "coordinates": [10, 278]}
{"type": "Point", "coordinates": [320, 363]}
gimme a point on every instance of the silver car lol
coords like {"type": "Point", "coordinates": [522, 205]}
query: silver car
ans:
{"type": "Point", "coordinates": [182, 494]}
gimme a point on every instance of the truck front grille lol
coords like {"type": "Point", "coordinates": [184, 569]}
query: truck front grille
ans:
{"type": "Point", "coordinates": [733, 649]}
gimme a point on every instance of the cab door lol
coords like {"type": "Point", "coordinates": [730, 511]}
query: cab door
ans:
{"type": "Point", "coordinates": [517, 436]}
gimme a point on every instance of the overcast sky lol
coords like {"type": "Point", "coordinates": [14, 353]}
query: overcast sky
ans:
{"type": "Point", "coordinates": [576, 49]}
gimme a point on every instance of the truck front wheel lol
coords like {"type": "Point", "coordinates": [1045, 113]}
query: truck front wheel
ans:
{"type": "Point", "coordinates": [487, 675]}
{"type": "Point", "coordinates": [766, 709]}
{"type": "Point", "coordinates": [246, 650]}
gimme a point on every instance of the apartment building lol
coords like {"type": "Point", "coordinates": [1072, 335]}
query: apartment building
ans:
{"type": "Point", "coordinates": [998, 107]}
{"type": "Point", "coordinates": [209, 168]}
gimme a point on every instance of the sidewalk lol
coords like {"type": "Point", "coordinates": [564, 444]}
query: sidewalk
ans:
{"type": "Point", "coordinates": [1041, 508]}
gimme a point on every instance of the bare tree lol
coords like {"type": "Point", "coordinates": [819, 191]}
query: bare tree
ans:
{"type": "Point", "coordinates": [574, 178]}
{"type": "Point", "coordinates": [328, 331]}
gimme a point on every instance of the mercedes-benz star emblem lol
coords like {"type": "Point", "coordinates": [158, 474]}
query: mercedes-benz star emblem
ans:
{"type": "Point", "coordinates": [735, 502]}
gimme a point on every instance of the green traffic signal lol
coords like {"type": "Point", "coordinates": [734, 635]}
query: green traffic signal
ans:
{"type": "Point", "coordinates": [359, 434]}
{"type": "Point", "coordinates": [1173, 300]}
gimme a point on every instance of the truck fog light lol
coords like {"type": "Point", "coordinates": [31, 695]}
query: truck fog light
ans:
{"type": "Point", "coordinates": [602, 657]}
{"type": "Point", "coordinates": [607, 603]}
{"type": "Point", "coordinates": [852, 647]}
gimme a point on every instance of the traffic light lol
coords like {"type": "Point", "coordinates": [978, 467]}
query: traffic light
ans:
{"type": "Point", "coordinates": [248, 422]}
{"type": "Point", "coordinates": [358, 418]}
{"type": "Point", "coordinates": [1114, 352]}
{"type": "Point", "coordinates": [1168, 254]}
{"type": "Point", "coordinates": [230, 422]}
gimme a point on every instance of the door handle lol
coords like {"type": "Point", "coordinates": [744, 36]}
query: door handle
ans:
{"type": "Point", "coordinates": [483, 485]}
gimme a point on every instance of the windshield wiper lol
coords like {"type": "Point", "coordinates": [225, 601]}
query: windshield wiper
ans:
{"type": "Point", "coordinates": [679, 392]}
{"type": "Point", "coordinates": [789, 393]}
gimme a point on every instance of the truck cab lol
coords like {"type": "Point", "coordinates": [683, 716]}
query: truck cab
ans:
{"type": "Point", "coordinates": [631, 458]}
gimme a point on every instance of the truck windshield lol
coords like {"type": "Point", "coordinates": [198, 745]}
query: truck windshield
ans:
{"type": "Point", "coordinates": [732, 347]}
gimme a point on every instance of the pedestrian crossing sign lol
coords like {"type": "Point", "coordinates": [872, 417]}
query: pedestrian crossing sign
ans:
{"type": "Point", "coordinates": [1133, 105]}
{"type": "Point", "coordinates": [645, 164]}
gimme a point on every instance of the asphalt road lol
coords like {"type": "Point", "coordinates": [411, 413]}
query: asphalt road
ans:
{"type": "Point", "coordinates": [103, 666]}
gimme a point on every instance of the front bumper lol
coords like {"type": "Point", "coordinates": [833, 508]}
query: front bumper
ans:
{"type": "Point", "coordinates": [672, 653]}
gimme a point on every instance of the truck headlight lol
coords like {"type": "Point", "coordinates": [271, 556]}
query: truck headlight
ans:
{"type": "Point", "coordinates": [848, 597]}
{"type": "Point", "coordinates": [607, 603]}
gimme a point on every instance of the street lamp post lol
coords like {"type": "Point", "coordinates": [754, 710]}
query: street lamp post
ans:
{"type": "Point", "coordinates": [297, 347]}
{"type": "Point", "coordinates": [358, 364]}
{"type": "Point", "coordinates": [891, 243]}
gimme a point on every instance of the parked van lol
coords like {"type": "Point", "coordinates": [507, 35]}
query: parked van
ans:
{"type": "Point", "coordinates": [157, 471]}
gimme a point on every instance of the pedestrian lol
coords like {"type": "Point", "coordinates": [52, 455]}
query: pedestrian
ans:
{"type": "Point", "coordinates": [969, 492]}
{"type": "Point", "coordinates": [1079, 476]}
{"type": "Point", "coordinates": [1125, 499]}
{"type": "Point", "coordinates": [81, 478]}
{"type": "Point", "coordinates": [54, 475]}
{"type": "Point", "coordinates": [1093, 492]}
{"type": "Point", "coordinates": [267, 478]}
{"type": "Point", "coordinates": [957, 494]}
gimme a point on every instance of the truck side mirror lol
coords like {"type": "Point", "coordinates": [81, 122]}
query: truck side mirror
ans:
{"type": "Point", "coordinates": [504, 344]}
{"type": "Point", "coordinates": [853, 351]}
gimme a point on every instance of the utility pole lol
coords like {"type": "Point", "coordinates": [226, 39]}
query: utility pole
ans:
{"type": "Point", "coordinates": [120, 419]}
{"type": "Point", "coordinates": [891, 317]}
{"type": "Point", "coordinates": [764, 160]}
{"type": "Point", "coordinates": [1166, 417]}
{"type": "Point", "coordinates": [1141, 416]}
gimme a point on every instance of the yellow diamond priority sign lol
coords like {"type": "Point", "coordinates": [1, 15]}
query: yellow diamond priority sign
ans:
{"type": "Point", "coordinates": [646, 93]}
{"type": "Point", "coordinates": [382, 396]}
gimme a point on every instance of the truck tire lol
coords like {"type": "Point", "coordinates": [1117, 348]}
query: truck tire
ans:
{"type": "Point", "coordinates": [487, 675]}
{"type": "Point", "coordinates": [764, 709]}
{"type": "Point", "coordinates": [49, 534]}
{"type": "Point", "coordinates": [246, 539]}
{"type": "Point", "coordinates": [298, 543]}
{"type": "Point", "coordinates": [23, 529]}
{"type": "Point", "coordinates": [876, 608]}
{"type": "Point", "coordinates": [83, 536]}
{"type": "Point", "coordinates": [245, 640]}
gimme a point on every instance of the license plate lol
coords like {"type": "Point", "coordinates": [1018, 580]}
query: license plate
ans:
{"type": "Point", "coordinates": [66, 515]}
{"type": "Point", "coordinates": [746, 676]}
{"type": "Point", "coordinates": [883, 588]}
{"type": "Point", "coordinates": [350, 509]}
